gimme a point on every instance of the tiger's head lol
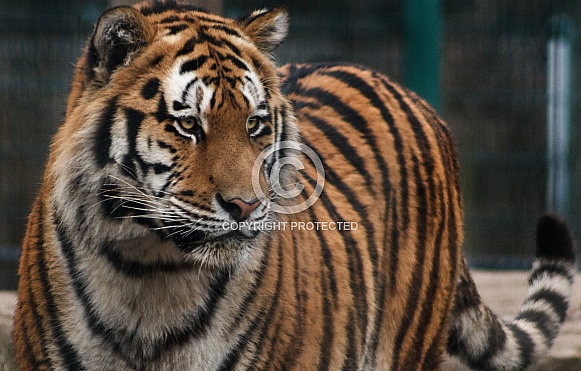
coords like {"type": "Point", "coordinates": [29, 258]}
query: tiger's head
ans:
{"type": "Point", "coordinates": [170, 108]}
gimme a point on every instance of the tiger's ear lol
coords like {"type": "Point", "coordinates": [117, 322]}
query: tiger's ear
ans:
{"type": "Point", "coordinates": [266, 28]}
{"type": "Point", "coordinates": [119, 36]}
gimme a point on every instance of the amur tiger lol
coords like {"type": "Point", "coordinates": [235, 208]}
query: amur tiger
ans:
{"type": "Point", "coordinates": [142, 251]}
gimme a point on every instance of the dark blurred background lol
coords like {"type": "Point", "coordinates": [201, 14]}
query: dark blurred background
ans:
{"type": "Point", "coordinates": [504, 74]}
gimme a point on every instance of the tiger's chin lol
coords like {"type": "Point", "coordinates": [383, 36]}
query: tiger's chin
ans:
{"type": "Point", "coordinates": [217, 251]}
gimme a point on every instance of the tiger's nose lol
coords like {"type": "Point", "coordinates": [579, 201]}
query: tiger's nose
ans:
{"type": "Point", "coordinates": [238, 209]}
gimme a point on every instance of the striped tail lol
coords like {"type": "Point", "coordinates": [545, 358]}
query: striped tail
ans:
{"type": "Point", "coordinates": [484, 342]}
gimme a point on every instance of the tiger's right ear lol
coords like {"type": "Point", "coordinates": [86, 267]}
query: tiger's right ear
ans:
{"type": "Point", "coordinates": [266, 28]}
{"type": "Point", "coordinates": [119, 36]}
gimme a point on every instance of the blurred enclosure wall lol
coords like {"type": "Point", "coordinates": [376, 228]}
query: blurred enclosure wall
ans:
{"type": "Point", "coordinates": [492, 91]}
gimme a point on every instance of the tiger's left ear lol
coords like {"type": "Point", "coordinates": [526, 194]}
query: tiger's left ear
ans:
{"type": "Point", "coordinates": [119, 36]}
{"type": "Point", "coordinates": [267, 28]}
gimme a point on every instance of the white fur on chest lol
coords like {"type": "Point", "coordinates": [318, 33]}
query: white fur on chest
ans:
{"type": "Point", "coordinates": [149, 307]}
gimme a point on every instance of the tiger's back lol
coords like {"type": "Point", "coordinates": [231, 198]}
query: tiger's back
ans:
{"type": "Point", "coordinates": [139, 253]}
{"type": "Point", "coordinates": [390, 166]}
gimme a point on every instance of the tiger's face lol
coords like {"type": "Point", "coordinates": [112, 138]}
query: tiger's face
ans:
{"type": "Point", "coordinates": [176, 106]}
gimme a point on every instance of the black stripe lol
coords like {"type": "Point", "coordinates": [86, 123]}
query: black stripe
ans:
{"type": "Point", "coordinates": [187, 48]}
{"type": "Point", "coordinates": [102, 139]}
{"type": "Point", "coordinates": [170, 128]}
{"type": "Point", "coordinates": [541, 320]}
{"type": "Point", "coordinates": [327, 342]}
{"type": "Point", "coordinates": [358, 287]}
{"type": "Point", "coordinates": [236, 61]}
{"type": "Point", "coordinates": [231, 359]}
{"type": "Point", "coordinates": [261, 319]}
{"type": "Point", "coordinates": [354, 118]}
{"type": "Point", "coordinates": [420, 135]}
{"type": "Point", "coordinates": [429, 301]}
{"type": "Point", "coordinates": [454, 228]}
{"type": "Point", "coordinates": [161, 114]}
{"type": "Point", "coordinates": [156, 61]}
{"type": "Point", "coordinates": [298, 105]}
{"type": "Point", "coordinates": [193, 64]}
{"type": "Point", "coordinates": [348, 114]}
{"type": "Point", "coordinates": [370, 93]}
{"type": "Point", "coordinates": [150, 89]}
{"type": "Point", "coordinates": [70, 358]}
{"type": "Point", "coordinates": [327, 257]}
{"type": "Point", "coordinates": [205, 18]}
{"type": "Point", "coordinates": [548, 269]}
{"type": "Point", "coordinates": [525, 345]}
{"type": "Point", "coordinates": [212, 102]}
{"type": "Point", "coordinates": [488, 325]}
{"type": "Point", "coordinates": [38, 234]}
{"type": "Point", "coordinates": [390, 220]}
{"type": "Point", "coordinates": [268, 319]}
{"type": "Point", "coordinates": [496, 342]}
{"type": "Point", "coordinates": [136, 269]}
{"type": "Point", "coordinates": [427, 163]}
{"type": "Point", "coordinates": [32, 361]}
{"type": "Point", "coordinates": [178, 106]}
{"type": "Point", "coordinates": [160, 168]}
{"type": "Point", "coordinates": [394, 247]}
{"type": "Point", "coordinates": [558, 302]}
{"type": "Point", "coordinates": [170, 19]}
{"type": "Point", "coordinates": [174, 30]}
{"type": "Point", "coordinates": [39, 329]}
{"type": "Point", "coordinates": [266, 130]}
{"type": "Point", "coordinates": [222, 27]}
{"type": "Point", "coordinates": [290, 80]}
{"type": "Point", "coordinates": [134, 121]}
{"type": "Point", "coordinates": [274, 342]}
{"type": "Point", "coordinates": [341, 142]}
{"type": "Point", "coordinates": [223, 43]}
{"type": "Point", "coordinates": [355, 263]}
{"type": "Point", "coordinates": [434, 351]}
{"type": "Point", "coordinates": [350, 362]}
{"type": "Point", "coordinates": [28, 303]}
{"type": "Point", "coordinates": [293, 352]}
{"type": "Point", "coordinates": [251, 295]}
{"type": "Point", "coordinates": [167, 146]}
{"type": "Point", "coordinates": [417, 282]}
{"type": "Point", "coordinates": [200, 320]}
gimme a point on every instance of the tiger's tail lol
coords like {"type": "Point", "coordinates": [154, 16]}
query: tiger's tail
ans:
{"type": "Point", "coordinates": [484, 342]}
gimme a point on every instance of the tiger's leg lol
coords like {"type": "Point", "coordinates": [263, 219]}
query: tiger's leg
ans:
{"type": "Point", "coordinates": [484, 342]}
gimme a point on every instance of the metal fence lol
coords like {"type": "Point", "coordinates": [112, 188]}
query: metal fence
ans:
{"type": "Point", "coordinates": [493, 92]}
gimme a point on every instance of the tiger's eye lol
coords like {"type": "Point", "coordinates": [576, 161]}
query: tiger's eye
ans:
{"type": "Point", "coordinates": [188, 122]}
{"type": "Point", "coordinates": [252, 123]}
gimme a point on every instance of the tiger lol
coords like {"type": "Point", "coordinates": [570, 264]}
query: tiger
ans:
{"type": "Point", "coordinates": [180, 136]}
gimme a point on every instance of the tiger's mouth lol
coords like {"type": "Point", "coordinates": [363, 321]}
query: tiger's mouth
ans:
{"type": "Point", "coordinates": [189, 240]}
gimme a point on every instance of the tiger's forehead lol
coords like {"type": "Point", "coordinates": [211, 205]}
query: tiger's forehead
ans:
{"type": "Point", "coordinates": [195, 91]}
{"type": "Point", "coordinates": [209, 68]}
{"type": "Point", "coordinates": [197, 27]}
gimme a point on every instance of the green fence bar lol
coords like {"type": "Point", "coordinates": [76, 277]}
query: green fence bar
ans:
{"type": "Point", "coordinates": [422, 29]}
